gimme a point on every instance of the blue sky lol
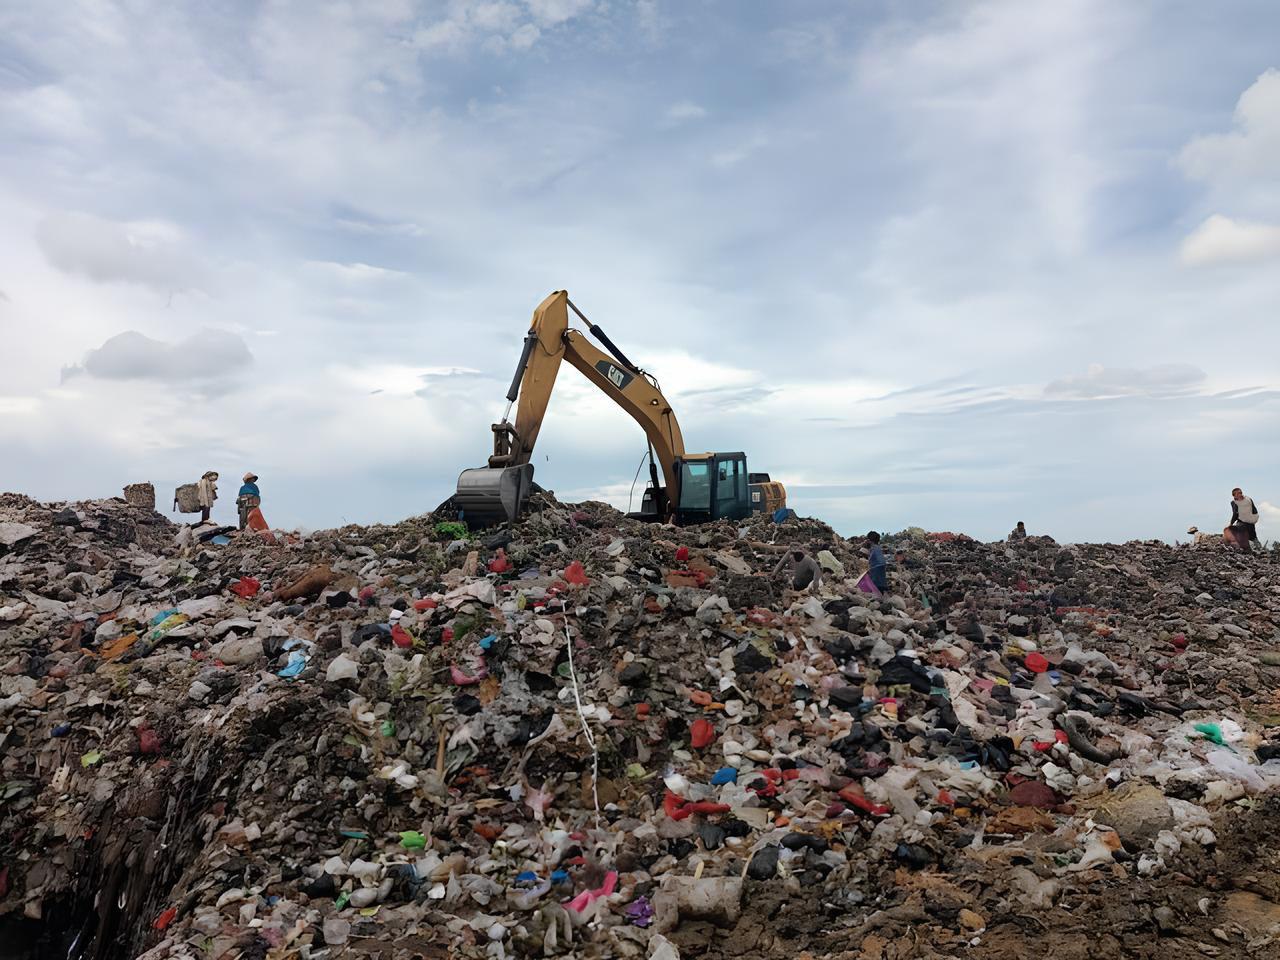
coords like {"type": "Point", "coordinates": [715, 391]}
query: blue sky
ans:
{"type": "Point", "coordinates": [949, 265]}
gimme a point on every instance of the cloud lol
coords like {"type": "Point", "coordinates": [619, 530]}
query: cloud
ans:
{"type": "Point", "coordinates": [1223, 240]}
{"type": "Point", "coordinates": [497, 25]}
{"type": "Point", "coordinates": [1166, 380]}
{"type": "Point", "coordinates": [557, 11]}
{"type": "Point", "coordinates": [151, 254]}
{"type": "Point", "coordinates": [204, 357]}
{"type": "Point", "coordinates": [1252, 148]}
{"type": "Point", "coordinates": [685, 110]}
{"type": "Point", "coordinates": [355, 272]}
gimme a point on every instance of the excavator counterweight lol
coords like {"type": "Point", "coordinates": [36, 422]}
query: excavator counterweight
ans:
{"type": "Point", "coordinates": [693, 487]}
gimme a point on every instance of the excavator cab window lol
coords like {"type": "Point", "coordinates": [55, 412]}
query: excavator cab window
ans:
{"type": "Point", "coordinates": [695, 486]}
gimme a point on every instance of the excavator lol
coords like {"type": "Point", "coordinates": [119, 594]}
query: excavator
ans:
{"type": "Point", "coordinates": [694, 487]}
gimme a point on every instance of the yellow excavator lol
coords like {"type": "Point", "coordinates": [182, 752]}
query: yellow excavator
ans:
{"type": "Point", "coordinates": [694, 487]}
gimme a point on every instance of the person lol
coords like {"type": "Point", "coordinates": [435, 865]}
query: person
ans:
{"type": "Point", "coordinates": [876, 563]}
{"type": "Point", "coordinates": [805, 571]}
{"type": "Point", "coordinates": [1019, 532]}
{"type": "Point", "coordinates": [248, 498]}
{"type": "Point", "coordinates": [208, 492]}
{"type": "Point", "coordinates": [1244, 520]}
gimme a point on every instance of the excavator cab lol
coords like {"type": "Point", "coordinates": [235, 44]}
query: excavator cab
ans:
{"type": "Point", "coordinates": [713, 486]}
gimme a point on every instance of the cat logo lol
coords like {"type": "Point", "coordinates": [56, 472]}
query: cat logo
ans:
{"type": "Point", "coordinates": [615, 375]}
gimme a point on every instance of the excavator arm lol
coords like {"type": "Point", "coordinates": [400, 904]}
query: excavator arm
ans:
{"type": "Point", "coordinates": [496, 492]}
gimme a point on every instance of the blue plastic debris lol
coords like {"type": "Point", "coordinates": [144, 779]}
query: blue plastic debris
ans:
{"type": "Point", "coordinates": [487, 642]}
{"type": "Point", "coordinates": [297, 663]}
{"type": "Point", "coordinates": [526, 876]}
{"type": "Point", "coordinates": [724, 775]}
{"type": "Point", "coordinates": [62, 729]}
{"type": "Point", "coordinates": [559, 876]}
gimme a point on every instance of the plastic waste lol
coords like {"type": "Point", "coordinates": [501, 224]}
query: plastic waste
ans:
{"type": "Point", "coordinates": [341, 668]}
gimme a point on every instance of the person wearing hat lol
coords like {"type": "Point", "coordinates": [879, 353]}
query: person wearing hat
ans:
{"type": "Point", "coordinates": [248, 498]}
{"type": "Point", "coordinates": [207, 489]}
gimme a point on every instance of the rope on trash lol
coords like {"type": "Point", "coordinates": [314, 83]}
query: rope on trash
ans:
{"type": "Point", "coordinates": [586, 729]}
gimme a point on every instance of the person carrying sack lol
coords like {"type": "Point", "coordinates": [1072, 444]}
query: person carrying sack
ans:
{"type": "Point", "coordinates": [248, 498]}
{"type": "Point", "coordinates": [207, 489]}
{"type": "Point", "coordinates": [1244, 520]}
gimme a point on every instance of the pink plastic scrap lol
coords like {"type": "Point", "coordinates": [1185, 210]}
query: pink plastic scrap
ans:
{"type": "Point", "coordinates": [866, 586]}
{"type": "Point", "coordinates": [460, 677]}
{"type": "Point", "coordinates": [588, 897]}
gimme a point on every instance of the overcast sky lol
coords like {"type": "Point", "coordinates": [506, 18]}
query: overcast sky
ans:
{"type": "Point", "coordinates": [939, 264]}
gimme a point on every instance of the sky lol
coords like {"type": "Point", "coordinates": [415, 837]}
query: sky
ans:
{"type": "Point", "coordinates": [936, 264]}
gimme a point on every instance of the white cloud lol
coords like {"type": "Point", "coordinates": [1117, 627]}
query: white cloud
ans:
{"type": "Point", "coordinates": [1101, 382]}
{"type": "Point", "coordinates": [1223, 240]}
{"type": "Point", "coordinates": [1252, 149]}
{"type": "Point", "coordinates": [557, 11]}
{"type": "Point", "coordinates": [355, 272]}
{"type": "Point", "coordinates": [685, 110]}
{"type": "Point", "coordinates": [205, 356]}
{"type": "Point", "coordinates": [149, 253]}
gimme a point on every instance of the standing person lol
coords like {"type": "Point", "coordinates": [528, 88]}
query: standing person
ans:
{"type": "Point", "coordinates": [876, 563]}
{"type": "Point", "coordinates": [248, 498]}
{"type": "Point", "coordinates": [208, 490]}
{"type": "Point", "coordinates": [1244, 520]}
{"type": "Point", "coordinates": [805, 571]}
{"type": "Point", "coordinates": [1019, 532]}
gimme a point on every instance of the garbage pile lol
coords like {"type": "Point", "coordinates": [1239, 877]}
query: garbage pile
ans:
{"type": "Point", "coordinates": [588, 736]}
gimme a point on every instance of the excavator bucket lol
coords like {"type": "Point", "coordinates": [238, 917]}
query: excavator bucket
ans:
{"type": "Point", "coordinates": [491, 495]}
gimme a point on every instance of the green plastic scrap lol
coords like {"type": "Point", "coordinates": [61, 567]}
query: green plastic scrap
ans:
{"type": "Point", "coordinates": [354, 834]}
{"type": "Point", "coordinates": [90, 758]}
{"type": "Point", "coordinates": [388, 728]}
{"type": "Point", "coordinates": [1212, 732]}
{"type": "Point", "coordinates": [452, 529]}
{"type": "Point", "coordinates": [412, 840]}
{"type": "Point", "coordinates": [636, 771]}
{"type": "Point", "coordinates": [342, 900]}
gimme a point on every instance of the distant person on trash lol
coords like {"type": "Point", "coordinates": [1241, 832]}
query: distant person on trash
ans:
{"type": "Point", "coordinates": [1244, 520]}
{"type": "Point", "coordinates": [207, 489]}
{"type": "Point", "coordinates": [806, 572]}
{"type": "Point", "coordinates": [876, 563]}
{"type": "Point", "coordinates": [1019, 532]}
{"type": "Point", "coordinates": [248, 498]}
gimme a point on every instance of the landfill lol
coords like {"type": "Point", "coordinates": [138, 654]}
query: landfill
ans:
{"type": "Point", "coordinates": [586, 736]}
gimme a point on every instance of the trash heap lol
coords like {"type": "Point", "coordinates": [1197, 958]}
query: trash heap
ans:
{"type": "Point", "coordinates": [587, 736]}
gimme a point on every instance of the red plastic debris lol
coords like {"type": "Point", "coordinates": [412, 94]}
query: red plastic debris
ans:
{"type": "Point", "coordinates": [574, 574]}
{"type": "Point", "coordinates": [944, 797]}
{"type": "Point", "coordinates": [1036, 663]}
{"type": "Point", "coordinates": [165, 918]}
{"type": "Point", "coordinates": [701, 733]}
{"type": "Point", "coordinates": [400, 637]}
{"type": "Point", "coordinates": [427, 604]}
{"type": "Point", "coordinates": [678, 808]}
{"type": "Point", "coordinates": [682, 555]}
{"type": "Point", "coordinates": [148, 741]}
{"type": "Point", "coordinates": [246, 587]}
{"type": "Point", "coordinates": [854, 796]}
{"type": "Point", "coordinates": [366, 596]}
{"type": "Point", "coordinates": [500, 563]}
{"type": "Point", "coordinates": [446, 635]}
{"type": "Point", "coordinates": [1033, 793]}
